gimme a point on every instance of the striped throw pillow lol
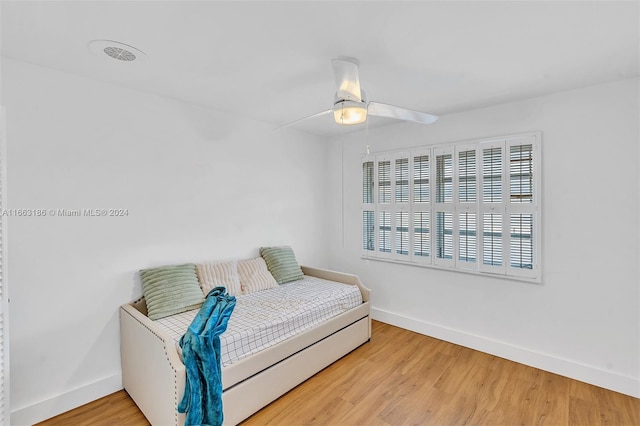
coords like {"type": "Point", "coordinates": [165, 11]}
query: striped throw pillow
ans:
{"type": "Point", "coordinates": [282, 263]}
{"type": "Point", "coordinates": [254, 275]}
{"type": "Point", "coordinates": [170, 290]}
{"type": "Point", "coordinates": [223, 274]}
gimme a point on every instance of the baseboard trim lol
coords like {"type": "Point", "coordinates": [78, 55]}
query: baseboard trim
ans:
{"type": "Point", "coordinates": [564, 367]}
{"type": "Point", "coordinates": [62, 403]}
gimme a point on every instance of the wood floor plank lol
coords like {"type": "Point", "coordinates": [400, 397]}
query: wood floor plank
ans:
{"type": "Point", "coordinates": [404, 378]}
{"type": "Point", "coordinates": [117, 409]}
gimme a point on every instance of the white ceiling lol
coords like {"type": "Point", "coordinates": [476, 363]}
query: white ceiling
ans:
{"type": "Point", "coordinates": [271, 60]}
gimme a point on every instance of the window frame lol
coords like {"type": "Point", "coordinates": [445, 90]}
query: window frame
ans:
{"type": "Point", "coordinates": [523, 231]}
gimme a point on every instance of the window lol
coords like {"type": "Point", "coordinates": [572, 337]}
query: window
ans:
{"type": "Point", "coordinates": [472, 206]}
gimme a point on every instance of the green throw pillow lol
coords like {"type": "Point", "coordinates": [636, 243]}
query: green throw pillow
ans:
{"type": "Point", "coordinates": [282, 263]}
{"type": "Point", "coordinates": [170, 290]}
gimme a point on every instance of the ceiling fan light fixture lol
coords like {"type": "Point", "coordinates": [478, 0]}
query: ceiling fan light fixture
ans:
{"type": "Point", "coordinates": [349, 112]}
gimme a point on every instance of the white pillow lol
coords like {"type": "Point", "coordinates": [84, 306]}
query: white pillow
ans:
{"type": "Point", "coordinates": [254, 275]}
{"type": "Point", "coordinates": [219, 274]}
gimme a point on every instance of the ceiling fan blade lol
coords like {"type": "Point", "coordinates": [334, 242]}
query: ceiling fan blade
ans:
{"type": "Point", "coordinates": [399, 113]}
{"type": "Point", "coordinates": [347, 79]}
{"type": "Point", "coordinates": [318, 114]}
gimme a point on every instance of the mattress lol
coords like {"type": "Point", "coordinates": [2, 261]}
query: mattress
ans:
{"type": "Point", "coordinates": [267, 317]}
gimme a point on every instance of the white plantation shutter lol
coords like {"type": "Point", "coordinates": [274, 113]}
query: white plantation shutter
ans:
{"type": "Point", "coordinates": [367, 182]}
{"type": "Point", "coordinates": [444, 176]}
{"type": "Point", "coordinates": [467, 176]}
{"type": "Point", "coordinates": [492, 246]}
{"type": "Point", "coordinates": [368, 207]}
{"type": "Point", "coordinates": [401, 206]}
{"type": "Point", "coordinates": [421, 178]}
{"type": "Point", "coordinates": [466, 227]}
{"type": "Point", "coordinates": [522, 210]}
{"type": "Point", "coordinates": [402, 180]}
{"type": "Point", "coordinates": [421, 234]}
{"type": "Point", "coordinates": [467, 238]}
{"type": "Point", "coordinates": [384, 231]}
{"type": "Point", "coordinates": [470, 206]}
{"type": "Point", "coordinates": [521, 244]}
{"type": "Point", "coordinates": [492, 164]}
{"type": "Point", "coordinates": [402, 233]}
{"type": "Point", "coordinates": [385, 182]}
{"type": "Point", "coordinates": [4, 296]}
{"type": "Point", "coordinates": [443, 206]}
{"type": "Point", "coordinates": [521, 173]}
{"type": "Point", "coordinates": [368, 231]}
{"type": "Point", "coordinates": [492, 208]}
{"type": "Point", "coordinates": [444, 237]}
{"type": "Point", "coordinates": [420, 208]}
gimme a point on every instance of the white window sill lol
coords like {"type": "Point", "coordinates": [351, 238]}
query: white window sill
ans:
{"type": "Point", "coordinates": [531, 280]}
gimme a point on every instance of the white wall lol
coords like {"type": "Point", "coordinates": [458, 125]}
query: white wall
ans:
{"type": "Point", "coordinates": [583, 321]}
{"type": "Point", "coordinates": [199, 185]}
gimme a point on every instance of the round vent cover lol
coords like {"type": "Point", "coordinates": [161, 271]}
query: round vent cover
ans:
{"type": "Point", "coordinates": [119, 54]}
{"type": "Point", "coordinates": [116, 50]}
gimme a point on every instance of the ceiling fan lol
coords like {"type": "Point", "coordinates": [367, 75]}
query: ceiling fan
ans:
{"type": "Point", "coordinates": [350, 105]}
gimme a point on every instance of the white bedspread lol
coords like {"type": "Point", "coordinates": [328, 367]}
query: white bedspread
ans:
{"type": "Point", "coordinates": [265, 318]}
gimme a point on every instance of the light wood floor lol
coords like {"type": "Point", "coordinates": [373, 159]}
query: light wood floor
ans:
{"type": "Point", "coordinates": [403, 378]}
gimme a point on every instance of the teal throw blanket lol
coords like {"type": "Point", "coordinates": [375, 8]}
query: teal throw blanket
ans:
{"type": "Point", "coordinates": [200, 345]}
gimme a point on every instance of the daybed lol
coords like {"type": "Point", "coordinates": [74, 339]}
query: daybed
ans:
{"type": "Point", "coordinates": [154, 376]}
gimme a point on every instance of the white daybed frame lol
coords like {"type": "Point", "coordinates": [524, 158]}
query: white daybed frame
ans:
{"type": "Point", "coordinates": [154, 375]}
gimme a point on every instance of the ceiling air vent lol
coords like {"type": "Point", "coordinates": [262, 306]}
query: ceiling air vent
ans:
{"type": "Point", "coordinates": [119, 54]}
{"type": "Point", "coordinates": [116, 50]}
